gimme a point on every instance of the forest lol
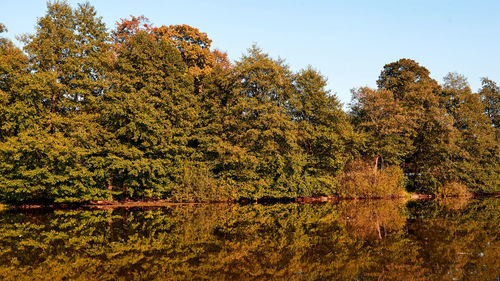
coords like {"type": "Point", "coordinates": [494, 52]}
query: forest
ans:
{"type": "Point", "coordinates": [143, 112]}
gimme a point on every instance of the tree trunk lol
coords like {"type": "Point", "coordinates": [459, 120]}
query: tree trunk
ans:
{"type": "Point", "coordinates": [377, 226]}
{"type": "Point", "coordinates": [110, 187]}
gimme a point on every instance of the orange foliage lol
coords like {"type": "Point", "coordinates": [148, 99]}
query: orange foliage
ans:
{"type": "Point", "coordinates": [128, 27]}
{"type": "Point", "coordinates": [221, 59]}
{"type": "Point", "coordinates": [193, 45]}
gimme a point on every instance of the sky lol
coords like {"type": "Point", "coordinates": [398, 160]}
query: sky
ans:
{"type": "Point", "coordinates": [349, 42]}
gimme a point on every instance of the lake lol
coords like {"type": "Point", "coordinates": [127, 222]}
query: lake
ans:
{"type": "Point", "coordinates": [452, 239]}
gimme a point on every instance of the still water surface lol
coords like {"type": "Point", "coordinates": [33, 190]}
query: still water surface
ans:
{"type": "Point", "coordinates": [352, 240]}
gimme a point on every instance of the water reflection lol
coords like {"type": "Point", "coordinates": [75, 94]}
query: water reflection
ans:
{"type": "Point", "coordinates": [351, 240]}
{"type": "Point", "coordinates": [369, 219]}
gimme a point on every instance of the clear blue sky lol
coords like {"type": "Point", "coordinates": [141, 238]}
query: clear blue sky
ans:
{"type": "Point", "coordinates": [347, 41]}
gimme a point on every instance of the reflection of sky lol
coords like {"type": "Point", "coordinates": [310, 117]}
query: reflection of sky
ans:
{"type": "Point", "coordinates": [348, 41]}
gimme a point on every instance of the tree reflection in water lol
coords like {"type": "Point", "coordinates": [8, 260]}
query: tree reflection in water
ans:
{"type": "Point", "coordinates": [350, 240]}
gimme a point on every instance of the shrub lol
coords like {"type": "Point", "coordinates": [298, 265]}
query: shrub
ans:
{"type": "Point", "coordinates": [360, 180]}
{"type": "Point", "coordinates": [197, 184]}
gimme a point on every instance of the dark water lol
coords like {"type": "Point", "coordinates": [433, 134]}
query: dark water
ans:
{"type": "Point", "coordinates": [367, 240]}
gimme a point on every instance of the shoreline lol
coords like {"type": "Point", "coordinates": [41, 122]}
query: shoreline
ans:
{"type": "Point", "coordinates": [105, 204]}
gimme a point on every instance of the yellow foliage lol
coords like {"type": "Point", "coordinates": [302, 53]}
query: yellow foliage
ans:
{"type": "Point", "coordinates": [361, 180]}
{"type": "Point", "coordinates": [198, 185]}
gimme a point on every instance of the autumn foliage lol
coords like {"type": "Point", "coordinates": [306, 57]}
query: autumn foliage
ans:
{"type": "Point", "coordinates": [146, 112]}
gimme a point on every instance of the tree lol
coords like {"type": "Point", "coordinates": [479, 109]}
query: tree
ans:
{"type": "Point", "coordinates": [70, 55]}
{"type": "Point", "coordinates": [261, 154]}
{"type": "Point", "coordinates": [13, 70]}
{"type": "Point", "coordinates": [193, 45]}
{"type": "Point", "coordinates": [51, 158]}
{"type": "Point", "coordinates": [149, 113]}
{"type": "Point", "coordinates": [490, 95]}
{"type": "Point", "coordinates": [418, 96]}
{"type": "Point", "coordinates": [322, 131]}
{"type": "Point", "coordinates": [126, 28]}
{"type": "Point", "coordinates": [378, 114]}
{"type": "Point", "coordinates": [475, 161]}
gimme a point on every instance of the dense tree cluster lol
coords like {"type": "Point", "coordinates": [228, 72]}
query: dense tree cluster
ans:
{"type": "Point", "coordinates": [148, 112]}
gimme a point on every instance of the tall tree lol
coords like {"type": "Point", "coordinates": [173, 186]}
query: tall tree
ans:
{"type": "Point", "coordinates": [14, 110]}
{"type": "Point", "coordinates": [475, 161]}
{"type": "Point", "coordinates": [490, 95]}
{"type": "Point", "coordinates": [69, 54]}
{"type": "Point", "coordinates": [49, 160]}
{"type": "Point", "coordinates": [261, 153]}
{"type": "Point", "coordinates": [150, 113]}
{"type": "Point", "coordinates": [418, 95]}
{"type": "Point", "coordinates": [322, 131]}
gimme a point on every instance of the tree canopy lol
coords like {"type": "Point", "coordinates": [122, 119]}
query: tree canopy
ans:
{"type": "Point", "coordinates": [144, 112]}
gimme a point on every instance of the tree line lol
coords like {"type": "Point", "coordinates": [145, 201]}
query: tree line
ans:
{"type": "Point", "coordinates": [145, 112]}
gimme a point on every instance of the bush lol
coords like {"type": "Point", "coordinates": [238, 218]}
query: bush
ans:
{"type": "Point", "coordinates": [197, 184]}
{"type": "Point", "coordinates": [360, 180]}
